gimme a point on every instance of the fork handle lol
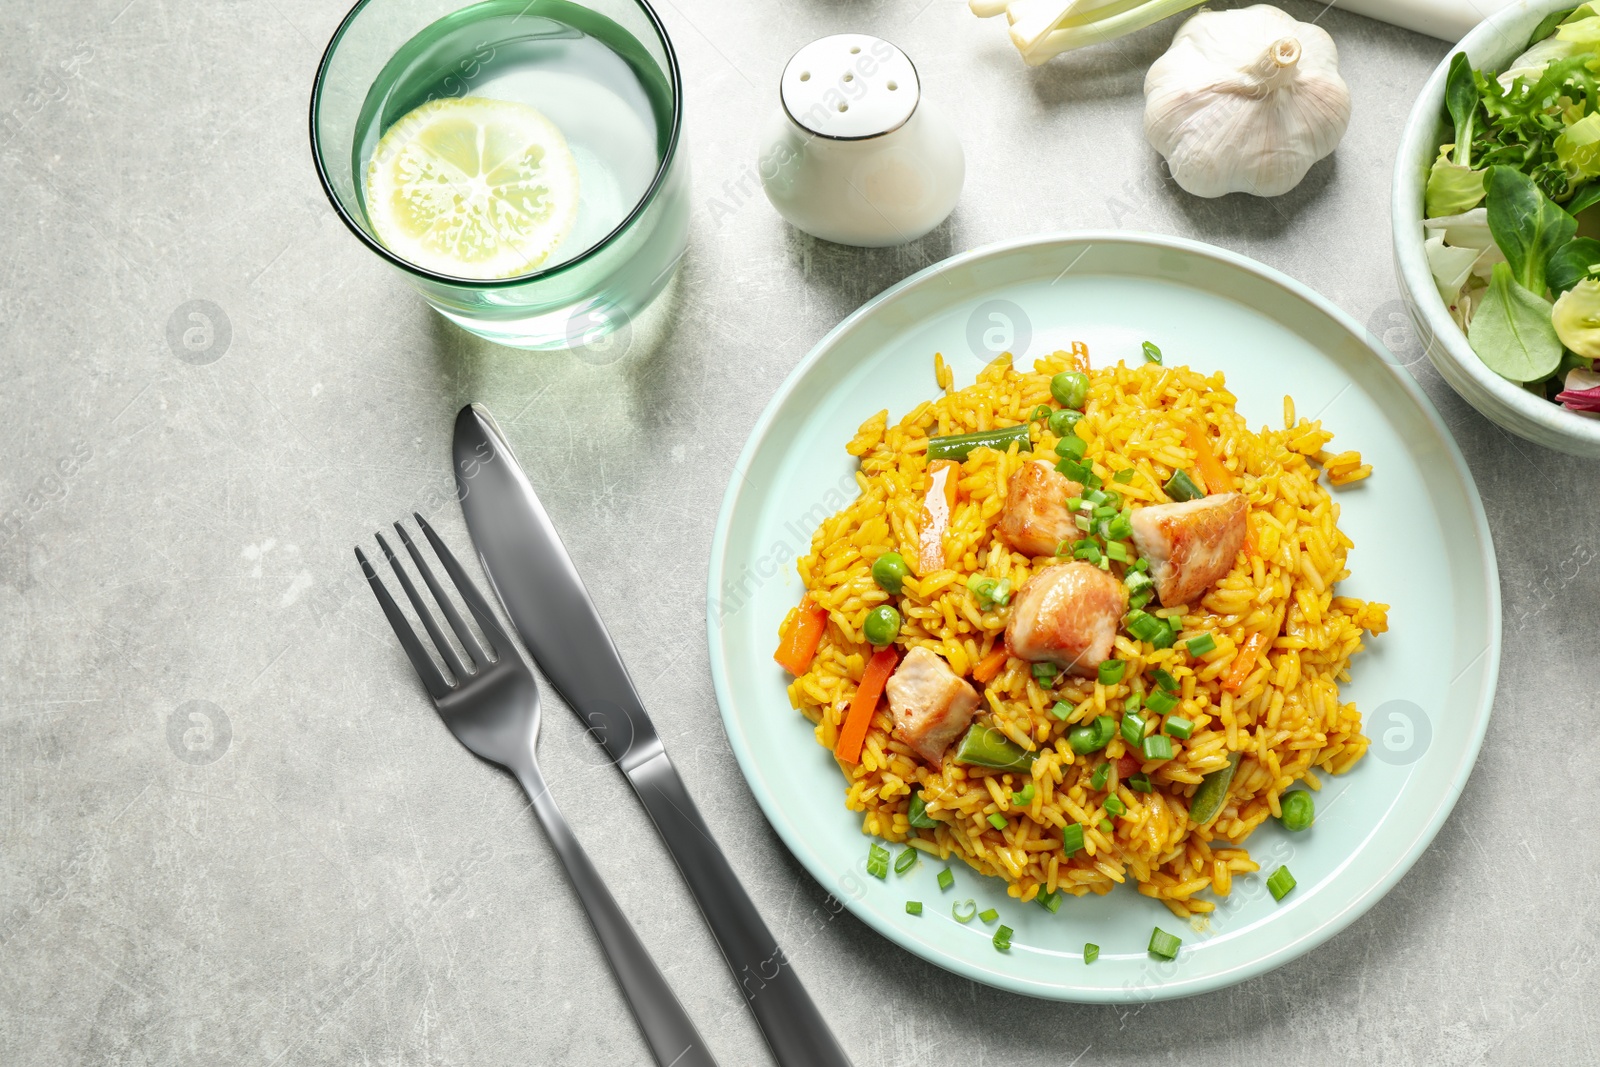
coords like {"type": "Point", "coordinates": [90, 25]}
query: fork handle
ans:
{"type": "Point", "coordinates": [667, 1028]}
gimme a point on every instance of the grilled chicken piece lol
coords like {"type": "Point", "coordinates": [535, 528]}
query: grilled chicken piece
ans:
{"type": "Point", "coordinates": [931, 703]}
{"type": "Point", "coordinates": [1036, 519]}
{"type": "Point", "coordinates": [1067, 614]}
{"type": "Point", "coordinates": [1190, 545]}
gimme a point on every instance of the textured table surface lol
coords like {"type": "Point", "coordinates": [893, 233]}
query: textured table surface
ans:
{"type": "Point", "coordinates": [311, 870]}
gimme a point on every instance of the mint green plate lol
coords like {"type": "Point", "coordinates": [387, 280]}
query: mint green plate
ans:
{"type": "Point", "coordinates": [1422, 546]}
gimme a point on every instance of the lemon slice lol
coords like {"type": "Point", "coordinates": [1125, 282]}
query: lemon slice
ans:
{"type": "Point", "coordinates": [473, 187]}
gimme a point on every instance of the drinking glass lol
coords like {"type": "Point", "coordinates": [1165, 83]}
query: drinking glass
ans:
{"type": "Point", "coordinates": [603, 71]}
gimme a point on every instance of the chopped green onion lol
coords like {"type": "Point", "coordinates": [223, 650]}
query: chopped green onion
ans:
{"type": "Point", "coordinates": [1133, 729]}
{"type": "Point", "coordinates": [1071, 838]}
{"type": "Point", "coordinates": [1165, 680]}
{"type": "Point", "coordinates": [1165, 638]}
{"type": "Point", "coordinates": [1280, 882]}
{"type": "Point", "coordinates": [1157, 746]}
{"type": "Point", "coordinates": [1199, 646]}
{"type": "Point", "coordinates": [1091, 480]}
{"type": "Point", "coordinates": [1106, 827]}
{"type": "Point", "coordinates": [1139, 600]}
{"type": "Point", "coordinates": [959, 446]}
{"type": "Point", "coordinates": [988, 915]}
{"type": "Point", "coordinates": [1091, 952]}
{"type": "Point", "coordinates": [1061, 709]}
{"type": "Point", "coordinates": [1086, 550]}
{"type": "Point", "coordinates": [947, 878]}
{"type": "Point", "coordinates": [1111, 671]}
{"type": "Point", "coordinates": [905, 861]}
{"type": "Point", "coordinates": [1061, 422]}
{"type": "Point", "coordinates": [878, 861]}
{"type": "Point", "coordinates": [984, 746]}
{"type": "Point", "coordinates": [1299, 810]}
{"type": "Point", "coordinates": [1161, 702]}
{"type": "Point", "coordinates": [1043, 411]}
{"type": "Point", "coordinates": [1045, 674]}
{"type": "Point", "coordinates": [989, 591]}
{"type": "Point", "coordinates": [1072, 445]}
{"type": "Point", "coordinates": [918, 815]}
{"type": "Point", "coordinates": [1101, 775]}
{"type": "Point", "coordinates": [1115, 805]}
{"type": "Point", "coordinates": [1050, 902]}
{"type": "Point", "coordinates": [1133, 703]}
{"type": "Point", "coordinates": [1164, 944]}
{"type": "Point", "coordinates": [1070, 388]}
{"type": "Point", "coordinates": [1123, 476]}
{"type": "Point", "coordinates": [1116, 550]}
{"type": "Point", "coordinates": [1074, 503]}
{"type": "Point", "coordinates": [963, 911]}
{"type": "Point", "coordinates": [1140, 783]}
{"type": "Point", "coordinates": [1144, 626]}
{"type": "Point", "coordinates": [1082, 522]}
{"type": "Point", "coordinates": [913, 907]}
{"type": "Point", "coordinates": [1104, 511]}
{"type": "Point", "coordinates": [1077, 470]}
{"type": "Point", "coordinates": [1120, 528]}
{"type": "Point", "coordinates": [1178, 727]}
{"type": "Point", "coordinates": [1002, 938]}
{"type": "Point", "coordinates": [1182, 487]}
{"type": "Point", "coordinates": [1024, 798]}
{"type": "Point", "coordinates": [1152, 354]}
{"type": "Point", "coordinates": [997, 821]}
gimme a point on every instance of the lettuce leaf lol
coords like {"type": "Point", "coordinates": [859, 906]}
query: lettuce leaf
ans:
{"type": "Point", "coordinates": [1512, 331]}
{"type": "Point", "coordinates": [1453, 188]}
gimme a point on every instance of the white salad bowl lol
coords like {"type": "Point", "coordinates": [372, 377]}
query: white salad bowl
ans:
{"type": "Point", "coordinates": [1497, 40]}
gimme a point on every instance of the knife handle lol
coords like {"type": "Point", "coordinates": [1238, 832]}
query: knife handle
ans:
{"type": "Point", "coordinates": [788, 1017]}
{"type": "Point", "coordinates": [667, 1028]}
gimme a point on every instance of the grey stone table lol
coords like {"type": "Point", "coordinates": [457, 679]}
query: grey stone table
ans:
{"type": "Point", "coordinates": [231, 829]}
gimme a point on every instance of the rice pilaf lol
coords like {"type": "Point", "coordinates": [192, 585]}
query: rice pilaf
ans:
{"type": "Point", "coordinates": [1267, 689]}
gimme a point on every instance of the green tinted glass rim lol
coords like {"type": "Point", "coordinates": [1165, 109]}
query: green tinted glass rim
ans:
{"type": "Point", "coordinates": [668, 156]}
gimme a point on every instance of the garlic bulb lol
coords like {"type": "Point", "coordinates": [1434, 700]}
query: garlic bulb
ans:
{"type": "Point", "coordinates": [1245, 101]}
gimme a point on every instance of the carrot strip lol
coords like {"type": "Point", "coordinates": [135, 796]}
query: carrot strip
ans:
{"type": "Point", "coordinates": [797, 645]}
{"type": "Point", "coordinates": [937, 507]}
{"type": "Point", "coordinates": [990, 665]}
{"type": "Point", "coordinates": [863, 704]}
{"type": "Point", "coordinates": [1218, 479]}
{"type": "Point", "coordinates": [1245, 662]}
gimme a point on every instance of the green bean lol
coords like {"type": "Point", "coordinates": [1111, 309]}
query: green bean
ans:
{"type": "Point", "coordinates": [984, 746]}
{"type": "Point", "coordinates": [958, 446]}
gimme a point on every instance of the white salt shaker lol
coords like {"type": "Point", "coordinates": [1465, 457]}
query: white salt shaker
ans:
{"type": "Point", "coordinates": [855, 155]}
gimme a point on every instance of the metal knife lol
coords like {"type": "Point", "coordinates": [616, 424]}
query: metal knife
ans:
{"type": "Point", "coordinates": [536, 581]}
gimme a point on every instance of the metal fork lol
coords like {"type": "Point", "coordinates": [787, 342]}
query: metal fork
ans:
{"type": "Point", "coordinates": [492, 706]}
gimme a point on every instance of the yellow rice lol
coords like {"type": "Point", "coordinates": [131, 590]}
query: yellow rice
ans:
{"type": "Point", "coordinates": [1287, 720]}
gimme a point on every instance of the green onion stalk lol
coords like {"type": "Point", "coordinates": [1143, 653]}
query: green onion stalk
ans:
{"type": "Point", "coordinates": [1041, 29]}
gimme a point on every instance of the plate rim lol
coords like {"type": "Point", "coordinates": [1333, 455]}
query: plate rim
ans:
{"type": "Point", "coordinates": [1328, 925]}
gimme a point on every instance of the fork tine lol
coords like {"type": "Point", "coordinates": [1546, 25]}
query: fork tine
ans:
{"type": "Point", "coordinates": [442, 643]}
{"type": "Point", "coordinates": [446, 605]}
{"type": "Point", "coordinates": [426, 668]}
{"type": "Point", "coordinates": [469, 591]}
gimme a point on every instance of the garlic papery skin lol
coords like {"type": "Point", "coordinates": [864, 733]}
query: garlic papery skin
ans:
{"type": "Point", "coordinates": [1245, 101]}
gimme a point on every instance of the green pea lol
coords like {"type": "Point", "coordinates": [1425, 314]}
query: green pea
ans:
{"type": "Point", "coordinates": [883, 623]}
{"type": "Point", "coordinates": [889, 571]}
{"type": "Point", "coordinates": [1299, 810]}
{"type": "Point", "coordinates": [1061, 422]}
{"type": "Point", "coordinates": [1070, 388]}
{"type": "Point", "coordinates": [1083, 739]}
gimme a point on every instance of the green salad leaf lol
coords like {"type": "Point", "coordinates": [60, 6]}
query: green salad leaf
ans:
{"type": "Point", "coordinates": [1549, 23]}
{"type": "Point", "coordinates": [1453, 189]}
{"type": "Point", "coordinates": [1526, 225]}
{"type": "Point", "coordinates": [1576, 318]}
{"type": "Point", "coordinates": [1578, 147]}
{"type": "Point", "coordinates": [1461, 99]}
{"type": "Point", "coordinates": [1511, 331]}
{"type": "Point", "coordinates": [1570, 264]}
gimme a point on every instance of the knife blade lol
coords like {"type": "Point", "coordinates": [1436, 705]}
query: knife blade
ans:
{"type": "Point", "coordinates": [545, 597]}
